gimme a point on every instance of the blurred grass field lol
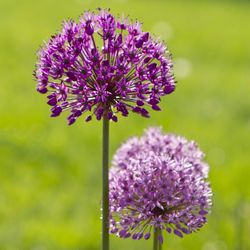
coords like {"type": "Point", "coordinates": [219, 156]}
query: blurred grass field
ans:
{"type": "Point", "coordinates": [50, 174]}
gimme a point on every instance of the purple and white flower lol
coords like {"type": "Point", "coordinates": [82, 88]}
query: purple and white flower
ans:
{"type": "Point", "coordinates": [158, 181]}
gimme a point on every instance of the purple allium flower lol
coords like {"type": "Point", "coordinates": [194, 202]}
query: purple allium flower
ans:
{"type": "Point", "coordinates": [158, 181]}
{"type": "Point", "coordinates": [105, 66]}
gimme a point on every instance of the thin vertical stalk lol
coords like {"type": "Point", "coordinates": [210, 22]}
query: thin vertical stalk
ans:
{"type": "Point", "coordinates": [155, 241]}
{"type": "Point", "coordinates": [156, 244]}
{"type": "Point", "coordinates": [159, 243]}
{"type": "Point", "coordinates": [105, 184]}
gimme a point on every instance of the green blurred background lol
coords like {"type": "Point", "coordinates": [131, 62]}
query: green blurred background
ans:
{"type": "Point", "coordinates": [50, 174]}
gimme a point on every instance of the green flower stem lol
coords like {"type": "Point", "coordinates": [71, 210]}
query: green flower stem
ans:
{"type": "Point", "coordinates": [159, 244]}
{"type": "Point", "coordinates": [105, 185]}
{"type": "Point", "coordinates": [156, 243]}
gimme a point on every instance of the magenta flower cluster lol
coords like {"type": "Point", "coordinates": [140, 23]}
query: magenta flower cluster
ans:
{"type": "Point", "coordinates": [103, 66]}
{"type": "Point", "coordinates": [158, 181]}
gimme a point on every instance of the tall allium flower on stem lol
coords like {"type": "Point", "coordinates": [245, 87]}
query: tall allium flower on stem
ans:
{"type": "Point", "coordinates": [158, 183]}
{"type": "Point", "coordinates": [129, 71]}
{"type": "Point", "coordinates": [102, 66]}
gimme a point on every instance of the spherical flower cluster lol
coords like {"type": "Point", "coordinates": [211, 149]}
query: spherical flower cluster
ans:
{"type": "Point", "coordinates": [158, 181]}
{"type": "Point", "coordinates": [104, 66]}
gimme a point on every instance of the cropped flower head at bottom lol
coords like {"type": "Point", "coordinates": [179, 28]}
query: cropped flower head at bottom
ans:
{"type": "Point", "coordinates": [158, 181]}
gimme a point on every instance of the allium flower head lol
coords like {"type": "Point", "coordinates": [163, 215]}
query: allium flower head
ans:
{"type": "Point", "coordinates": [158, 181]}
{"type": "Point", "coordinates": [104, 66]}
